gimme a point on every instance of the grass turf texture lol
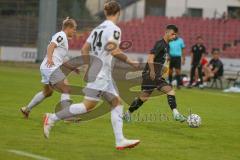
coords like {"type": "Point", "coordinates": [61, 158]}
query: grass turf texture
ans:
{"type": "Point", "coordinates": [217, 138]}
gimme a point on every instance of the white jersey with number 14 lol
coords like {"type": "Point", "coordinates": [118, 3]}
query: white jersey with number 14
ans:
{"type": "Point", "coordinates": [99, 38]}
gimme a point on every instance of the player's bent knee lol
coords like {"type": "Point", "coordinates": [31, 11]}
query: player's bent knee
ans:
{"type": "Point", "coordinates": [172, 92]}
{"type": "Point", "coordinates": [145, 95]}
{"type": "Point", "coordinates": [48, 93]}
{"type": "Point", "coordinates": [144, 99]}
{"type": "Point", "coordinates": [116, 102]}
{"type": "Point", "coordinates": [89, 104]}
{"type": "Point", "coordinates": [65, 90]}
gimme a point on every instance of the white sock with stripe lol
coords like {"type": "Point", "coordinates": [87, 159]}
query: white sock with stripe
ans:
{"type": "Point", "coordinates": [117, 122]}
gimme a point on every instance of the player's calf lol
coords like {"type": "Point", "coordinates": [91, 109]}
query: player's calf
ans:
{"type": "Point", "coordinates": [38, 98]}
{"type": "Point", "coordinates": [137, 103]}
{"type": "Point", "coordinates": [173, 105]}
{"type": "Point", "coordinates": [66, 113]}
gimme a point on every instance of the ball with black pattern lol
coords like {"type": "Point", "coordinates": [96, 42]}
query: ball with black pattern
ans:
{"type": "Point", "coordinates": [194, 121]}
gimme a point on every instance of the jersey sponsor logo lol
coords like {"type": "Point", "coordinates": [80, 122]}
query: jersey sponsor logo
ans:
{"type": "Point", "coordinates": [59, 39]}
{"type": "Point", "coordinates": [116, 35]}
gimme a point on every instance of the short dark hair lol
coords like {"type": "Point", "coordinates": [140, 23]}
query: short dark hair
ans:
{"type": "Point", "coordinates": [172, 27]}
{"type": "Point", "coordinates": [215, 50]}
{"type": "Point", "coordinates": [111, 7]}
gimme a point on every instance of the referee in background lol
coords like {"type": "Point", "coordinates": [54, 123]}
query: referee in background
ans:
{"type": "Point", "coordinates": [177, 58]}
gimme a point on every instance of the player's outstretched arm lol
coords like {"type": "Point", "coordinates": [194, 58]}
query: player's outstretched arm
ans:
{"type": "Point", "coordinates": [117, 53]}
{"type": "Point", "coordinates": [86, 58]}
{"type": "Point", "coordinates": [50, 50]}
{"type": "Point", "coordinates": [85, 52]}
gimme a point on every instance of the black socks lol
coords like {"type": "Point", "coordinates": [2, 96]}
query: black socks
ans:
{"type": "Point", "coordinates": [172, 101]}
{"type": "Point", "coordinates": [138, 103]}
{"type": "Point", "coordinates": [178, 77]}
{"type": "Point", "coordinates": [135, 105]}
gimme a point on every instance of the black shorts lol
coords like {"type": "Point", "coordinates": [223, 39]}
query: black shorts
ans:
{"type": "Point", "coordinates": [149, 85]}
{"type": "Point", "coordinates": [175, 62]}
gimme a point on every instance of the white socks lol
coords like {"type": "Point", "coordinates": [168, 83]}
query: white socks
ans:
{"type": "Point", "coordinates": [69, 112]}
{"type": "Point", "coordinates": [39, 97]}
{"type": "Point", "coordinates": [80, 108]}
{"type": "Point", "coordinates": [175, 112]}
{"type": "Point", "coordinates": [65, 96]}
{"type": "Point", "coordinates": [117, 123]}
{"type": "Point", "coordinates": [77, 109]}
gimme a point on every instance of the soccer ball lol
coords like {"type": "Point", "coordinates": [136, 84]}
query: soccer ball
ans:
{"type": "Point", "coordinates": [194, 120]}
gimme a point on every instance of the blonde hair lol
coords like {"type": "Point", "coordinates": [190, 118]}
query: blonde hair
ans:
{"type": "Point", "coordinates": [68, 22]}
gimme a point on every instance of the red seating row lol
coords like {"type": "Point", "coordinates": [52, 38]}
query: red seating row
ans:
{"type": "Point", "coordinates": [232, 52]}
{"type": "Point", "coordinates": [144, 32]}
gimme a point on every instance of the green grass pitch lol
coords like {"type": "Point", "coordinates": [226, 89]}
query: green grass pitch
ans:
{"type": "Point", "coordinates": [217, 139]}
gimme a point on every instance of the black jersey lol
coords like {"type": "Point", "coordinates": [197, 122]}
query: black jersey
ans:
{"type": "Point", "coordinates": [217, 64]}
{"type": "Point", "coordinates": [197, 51]}
{"type": "Point", "coordinates": [161, 51]}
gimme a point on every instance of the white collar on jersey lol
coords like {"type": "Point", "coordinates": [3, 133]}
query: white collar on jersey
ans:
{"type": "Point", "coordinates": [64, 34]}
{"type": "Point", "coordinates": [109, 21]}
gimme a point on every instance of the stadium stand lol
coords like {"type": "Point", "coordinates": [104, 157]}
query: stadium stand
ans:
{"type": "Point", "coordinates": [144, 32]}
{"type": "Point", "coordinates": [232, 52]}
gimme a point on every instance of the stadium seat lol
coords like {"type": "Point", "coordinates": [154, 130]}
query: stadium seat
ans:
{"type": "Point", "coordinates": [144, 32]}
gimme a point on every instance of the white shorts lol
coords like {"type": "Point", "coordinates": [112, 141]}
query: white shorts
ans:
{"type": "Point", "coordinates": [51, 75]}
{"type": "Point", "coordinates": [101, 88]}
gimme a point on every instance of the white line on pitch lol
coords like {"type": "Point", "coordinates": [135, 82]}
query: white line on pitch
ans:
{"type": "Point", "coordinates": [214, 93]}
{"type": "Point", "coordinates": [26, 154]}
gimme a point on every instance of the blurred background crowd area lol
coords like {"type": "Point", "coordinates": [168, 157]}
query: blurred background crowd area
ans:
{"type": "Point", "coordinates": [142, 22]}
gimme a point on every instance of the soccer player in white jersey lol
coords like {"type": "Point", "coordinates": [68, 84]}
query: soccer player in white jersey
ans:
{"type": "Point", "coordinates": [56, 52]}
{"type": "Point", "coordinates": [104, 34]}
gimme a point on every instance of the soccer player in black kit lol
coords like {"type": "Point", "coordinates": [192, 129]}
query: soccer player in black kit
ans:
{"type": "Point", "coordinates": [152, 76]}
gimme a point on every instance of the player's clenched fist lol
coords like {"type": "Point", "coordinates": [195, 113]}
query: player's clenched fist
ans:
{"type": "Point", "coordinates": [50, 63]}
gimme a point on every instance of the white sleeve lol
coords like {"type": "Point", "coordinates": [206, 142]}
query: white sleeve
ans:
{"type": "Point", "coordinates": [90, 38]}
{"type": "Point", "coordinates": [115, 36]}
{"type": "Point", "coordinates": [58, 39]}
